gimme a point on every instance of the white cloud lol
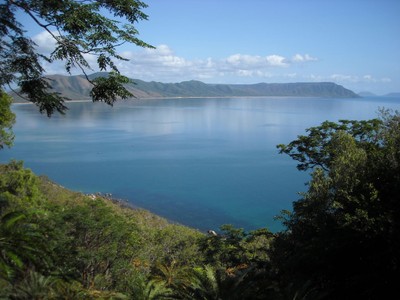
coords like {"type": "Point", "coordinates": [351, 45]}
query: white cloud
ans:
{"type": "Point", "coordinates": [303, 58]}
{"type": "Point", "coordinates": [255, 61]}
{"type": "Point", "coordinates": [161, 50]}
{"type": "Point", "coordinates": [162, 64]}
{"type": "Point", "coordinates": [45, 42]}
{"type": "Point", "coordinates": [367, 77]}
{"type": "Point", "coordinates": [291, 75]}
{"type": "Point", "coordinates": [244, 60]}
{"type": "Point", "coordinates": [345, 78]}
{"type": "Point", "coordinates": [277, 61]}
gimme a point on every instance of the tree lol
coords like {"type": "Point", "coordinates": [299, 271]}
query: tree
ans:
{"type": "Point", "coordinates": [18, 187]}
{"type": "Point", "coordinates": [151, 290]}
{"type": "Point", "coordinates": [237, 265]}
{"type": "Point", "coordinates": [7, 119]}
{"type": "Point", "coordinates": [342, 238]}
{"type": "Point", "coordinates": [79, 29]}
{"type": "Point", "coordinates": [314, 149]}
{"type": "Point", "coordinates": [91, 243]}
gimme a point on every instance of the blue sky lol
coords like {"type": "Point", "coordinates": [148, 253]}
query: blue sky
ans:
{"type": "Point", "coordinates": [355, 43]}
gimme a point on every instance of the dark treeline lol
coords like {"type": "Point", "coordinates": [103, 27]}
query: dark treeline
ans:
{"type": "Point", "coordinates": [340, 241]}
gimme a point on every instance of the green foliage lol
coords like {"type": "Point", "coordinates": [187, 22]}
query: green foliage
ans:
{"type": "Point", "coordinates": [7, 120]}
{"type": "Point", "coordinates": [24, 247]}
{"type": "Point", "coordinates": [151, 290]}
{"type": "Point", "coordinates": [91, 241]}
{"type": "Point", "coordinates": [234, 247]}
{"type": "Point", "coordinates": [315, 149]}
{"type": "Point", "coordinates": [109, 88]}
{"type": "Point", "coordinates": [33, 286]}
{"type": "Point", "coordinates": [239, 264]}
{"type": "Point", "coordinates": [205, 284]}
{"type": "Point", "coordinates": [343, 234]}
{"type": "Point", "coordinates": [79, 29]}
{"type": "Point", "coordinates": [18, 186]}
{"type": "Point", "coordinates": [87, 247]}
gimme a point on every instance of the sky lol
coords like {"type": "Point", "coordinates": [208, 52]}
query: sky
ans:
{"type": "Point", "coordinates": [354, 43]}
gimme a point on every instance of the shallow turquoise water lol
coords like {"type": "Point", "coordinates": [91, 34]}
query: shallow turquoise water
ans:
{"type": "Point", "coordinates": [200, 162]}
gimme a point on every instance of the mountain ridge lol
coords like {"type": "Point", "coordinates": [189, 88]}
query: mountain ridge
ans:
{"type": "Point", "coordinates": [78, 88]}
{"type": "Point", "coordinates": [393, 95]}
{"type": "Point", "coordinates": [388, 95]}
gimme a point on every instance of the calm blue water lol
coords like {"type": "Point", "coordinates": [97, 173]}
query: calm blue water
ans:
{"type": "Point", "coordinates": [200, 162]}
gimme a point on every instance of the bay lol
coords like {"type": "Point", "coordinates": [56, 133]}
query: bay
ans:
{"type": "Point", "coordinates": [202, 162]}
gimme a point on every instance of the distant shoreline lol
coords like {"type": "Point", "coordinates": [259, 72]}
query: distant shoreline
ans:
{"type": "Point", "coordinates": [191, 97]}
{"type": "Point", "coordinates": [69, 101]}
{"type": "Point", "coordinates": [76, 87]}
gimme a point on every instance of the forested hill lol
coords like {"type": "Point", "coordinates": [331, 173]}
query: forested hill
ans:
{"type": "Point", "coordinates": [77, 88]}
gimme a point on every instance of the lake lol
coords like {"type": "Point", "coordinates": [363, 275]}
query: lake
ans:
{"type": "Point", "coordinates": [202, 162]}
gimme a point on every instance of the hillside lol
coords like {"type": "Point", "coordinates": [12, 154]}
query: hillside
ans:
{"type": "Point", "coordinates": [341, 240]}
{"type": "Point", "coordinates": [60, 244]}
{"type": "Point", "coordinates": [78, 88]}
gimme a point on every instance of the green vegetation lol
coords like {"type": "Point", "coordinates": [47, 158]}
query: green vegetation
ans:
{"type": "Point", "coordinates": [343, 236]}
{"type": "Point", "coordinates": [341, 241]}
{"type": "Point", "coordinates": [56, 243]}
{"type": "Point", "coordinates": [80, 30]}
{"type": "Point", "coordinates": [7, 120]}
